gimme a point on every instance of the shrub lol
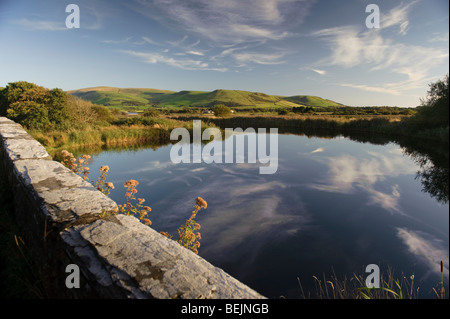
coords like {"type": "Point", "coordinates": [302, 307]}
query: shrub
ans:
{"type": "Point", "coordinates": [221, 110]}
{"type": "Point", "coordinates": [151, 113]}
{"type": "Point", "coordinates": [34, 106]}
{"type": "Point", "coordinates": [434, 109]}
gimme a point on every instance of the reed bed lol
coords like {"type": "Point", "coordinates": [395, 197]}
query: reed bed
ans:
{"type": "Point", "coordinates": [354, 287]}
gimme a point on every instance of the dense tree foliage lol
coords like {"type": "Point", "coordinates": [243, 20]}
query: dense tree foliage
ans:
{"type": "Point", "coordinates": [37, 107]}
{"type": "Point", "coordinates": [434, 109]}
{"type": "Point", "coordinates": [221, 110]}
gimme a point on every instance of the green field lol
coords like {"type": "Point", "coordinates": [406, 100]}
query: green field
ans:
{"type": "Point", "coordinates": [139, 99]}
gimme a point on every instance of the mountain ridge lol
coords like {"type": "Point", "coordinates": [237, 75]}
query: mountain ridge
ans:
{"type": "Point", "coordinates": [146, 97]}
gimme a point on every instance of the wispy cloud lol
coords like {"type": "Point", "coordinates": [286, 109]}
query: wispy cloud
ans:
{"type": "Point", "coordinates": [185, 64]}
{"type": "Point", "coordinates": [259, 58]}
{"type": "Point", "coordinates": [428, 249]}
{"type": "Point", "coordinates": [320, 72]}
{"type": "Point", "coordinates": [439, 37]}
{"type": "Point", "coordinates": [91, 19]}
{"type": "Point", "coordinates": [42, 25]}
{"type": "Point", "coordinates": [352, 46]}
{"type": "Point", "coordinates": [195, 53]}
{"type": "Point", "coordinates": [125, 40]}
{"type": "Point", "coordinates": [129, 40]}
{"type": "Point", "coordinates": [150, 41]}
{"type": "Point", "coordinates": [398, 16]}
{"type": "Point", "coordinates": [318, 150]}
{"type": "Point", "coordinates": [372, 88]}
{"type": "Point", "coordinates": [348, 174]}
{"type": "Point", "coordinates": [232, 21]}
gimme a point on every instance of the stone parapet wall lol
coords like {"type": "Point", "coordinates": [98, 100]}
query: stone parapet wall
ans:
{"type": "Point", "coordinates": [66, 221]}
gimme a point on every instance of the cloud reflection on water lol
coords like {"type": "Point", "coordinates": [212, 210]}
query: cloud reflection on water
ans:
{"type": "Point", "coordinates": [349, 174]}
{"type": "Point", "coordinates": [428, 249]}
{"type": "Point", "coordinates": [245, 211]}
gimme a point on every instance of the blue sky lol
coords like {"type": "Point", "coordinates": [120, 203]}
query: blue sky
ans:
{"type": "Point", "coordinates": [281, 47]}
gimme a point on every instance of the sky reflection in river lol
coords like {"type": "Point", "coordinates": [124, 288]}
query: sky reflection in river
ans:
{"type": "Point", "coordinates": [332, 205]}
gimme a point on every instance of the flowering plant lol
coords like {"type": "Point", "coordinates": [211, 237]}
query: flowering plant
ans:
{"type": "Point", "coordinates": [189, 235]}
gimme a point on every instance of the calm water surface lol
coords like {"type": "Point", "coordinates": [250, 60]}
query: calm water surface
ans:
{"type": "Point", "coordinates": [334, 205]}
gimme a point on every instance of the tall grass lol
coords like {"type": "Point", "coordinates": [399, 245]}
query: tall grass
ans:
{"type": "Point", "coordinates": [391, 287]}
{"type": "Point", "coordinates": [124, 132]}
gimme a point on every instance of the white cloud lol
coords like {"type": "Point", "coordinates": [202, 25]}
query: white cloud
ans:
{"type": "Point", "coordinates": [397, 16]}
{"type": "Point", "coordinates": [321, 72]}
{"type": "Point", "coordinates": [352, 47]}
{"type": "Point", "coordinates": [125, 40]}
{"type": "Point", "coordinates": [42, 25]}
{"type": "Point", "coordinates": [150, 41]}
{"type": "Point", "coordinates": [426, 248]}
{"type": "Point", "coordinates": [259, 58]}
{"type": "Point", "coordinates": [195, 53]}
{"type": "Point", "coordinates": [319, 150]}
{"type": "Point", "coordinates": [143, 40]}
{"type": "Point", "coordinates": [372, 88]}
{"type": "Point", "coordinates": [185, 64]}
{"type": "Point", "coordinates": [232, 21]}
{"type": "Point", "coordinates": [248, 31]}
{"type": "Point", "coordinates": [348, 174]}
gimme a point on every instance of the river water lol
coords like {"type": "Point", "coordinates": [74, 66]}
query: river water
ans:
{"type": "Point", "coordinates": [333, 206]}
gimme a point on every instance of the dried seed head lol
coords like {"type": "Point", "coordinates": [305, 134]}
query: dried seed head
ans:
{"type": "Point", "coordinates": [165, 234]}
{"type": "Point", "coordinates": [65, 153]}
{"type": "Point", "coordinates": [131, 183]}
{"type": "Point", "coordinates": [201, 202]}
{"type": "Point", "coordinates": [104, 169]}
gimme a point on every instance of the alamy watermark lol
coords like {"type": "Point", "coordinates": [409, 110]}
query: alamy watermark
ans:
{"type": "Point", "coordinates": [373, 279]}
{"type": "Point", "coordinates": [373, 19]}
{"type": "Point", "coordinates": [73, 19]}
{"type": "Point", "coordinates": [73, 279]}
{"type": "Point", "coordinates": [234, 145]}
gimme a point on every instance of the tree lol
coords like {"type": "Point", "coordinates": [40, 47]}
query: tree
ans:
{"type": "Point", "coordinates": [221, 110]}
{"type": "Point", "coordinates": [81, 111]}
{"type": "Point", "coordinates": [434, 109]}
{"type": "Point", "coordinates": [58, 108]}
{"type": "Point", "coordinates": [35, 106]}
{"type": "Point", "coordinates": [102, 112]}
{"type": "Point", "coordinates": [26, 103]}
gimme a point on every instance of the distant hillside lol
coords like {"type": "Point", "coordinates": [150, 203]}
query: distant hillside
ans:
{"type": "Point", "coordinates": [312, 101]}
{"type": "Point", "coordinates": [143, 98]}
{"type": "Point", "coordinates": [118, 97]}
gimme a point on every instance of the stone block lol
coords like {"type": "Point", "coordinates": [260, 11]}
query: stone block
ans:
{"type": "Point", "coordinates": [129, 257]}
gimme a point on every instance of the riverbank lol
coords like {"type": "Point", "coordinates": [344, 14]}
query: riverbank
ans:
{"type": "Point", "coordinates": [140, 131]}
{"type": "Point", "coordinates": [385, 125]}
{"type": "Point", "coordinates": [110, 138]}
{"type": "Point", "coordinates": [122, 133]}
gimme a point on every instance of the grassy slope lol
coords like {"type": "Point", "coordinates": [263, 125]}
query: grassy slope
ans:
{"type": "Point", "coordinates": [312, 101]}
{"type": "Point", "coordinates": [143, 98]}
{"type": "Point", "coordinates": [118, 97]}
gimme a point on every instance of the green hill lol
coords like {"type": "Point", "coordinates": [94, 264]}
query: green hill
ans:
{"type": "Point", "coordinates": [308, 100]}
{"type": "Point", "coordinates": [118, 97]}
{"type": "Point", "coordinates": [143, 98]}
